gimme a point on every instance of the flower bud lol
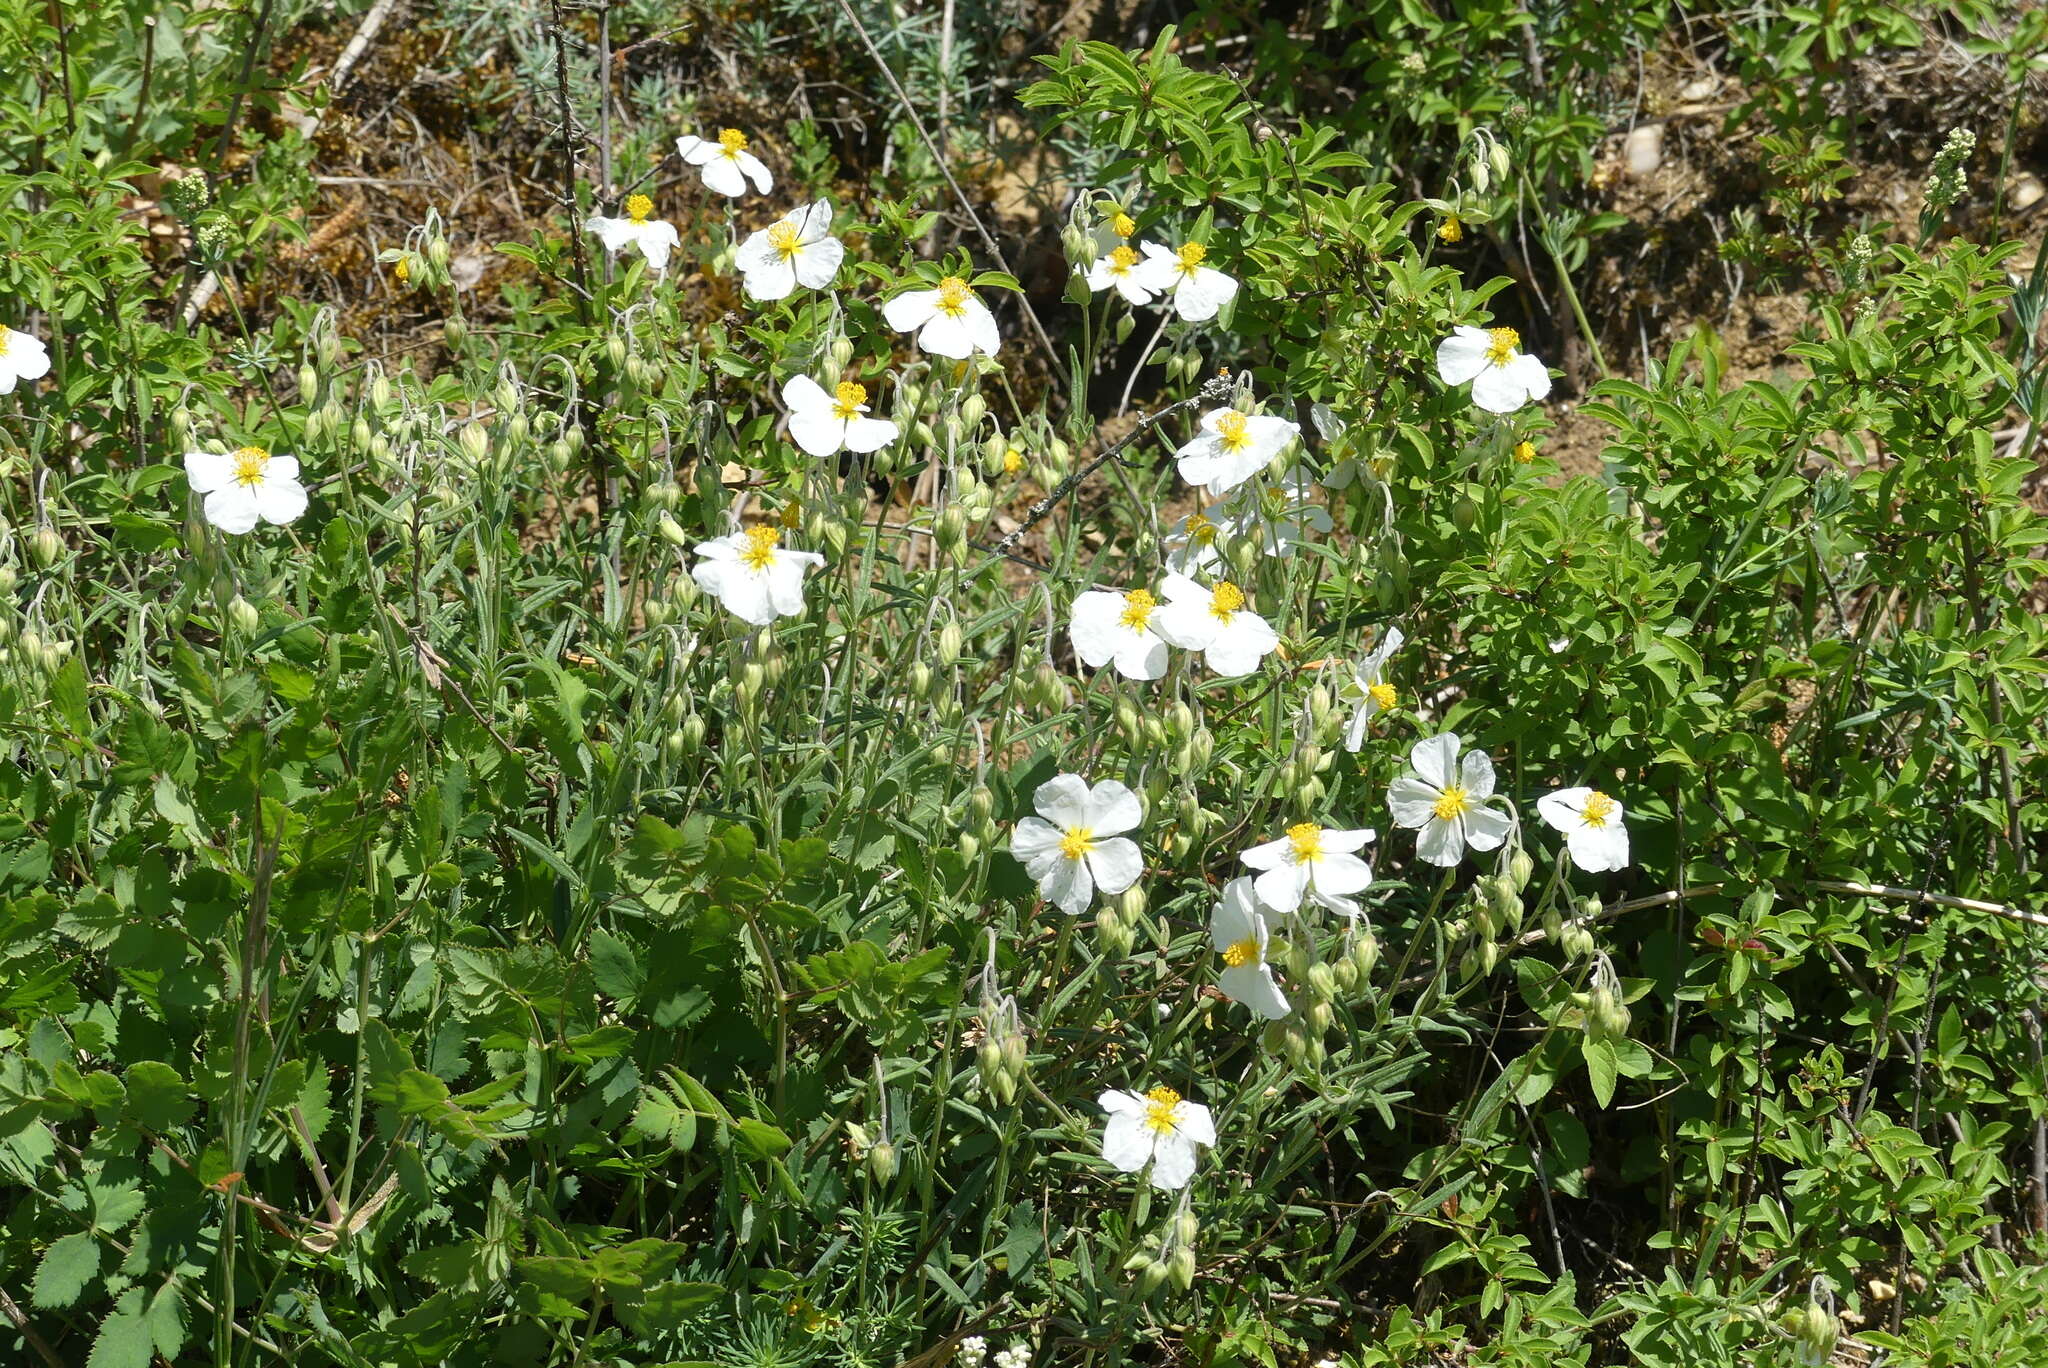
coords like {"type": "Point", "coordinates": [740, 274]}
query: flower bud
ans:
{"type": "Point", "coordinates": [841, 352]}
{"type": "Point", "coordinates": [671, 531]}
{"type": "Point", "coordinates": [45, 546]}
{"type": "Point", "coordinates": [454, 330]}
{"type": "Point", "coordinates": [949, 644]}
{"type": "Point", "coordinates": [1322, 981]}
{"type": "Point", "coordinates": [437, 252]}
{"type": "Point", "coordinates": [693, 733]}
{"type": "Point", "coordinates": [882, 1161]}
{"type": "Point", "coordinates": [973, 409]}
{"type": "Point", "coordinates": [1180, 1266]}
{"type": "Point", "coordinates": [1365, 952]}
{"type": "Point", "coordinates": [1521, 869]}
{"type": "Point", "coordinates": [242, 616]}
{"type": "Point", "coordinates": [474, 442]}
{"type": "Point", "coordinates": [1321, 1017]}
{"type": "Point", "coordinates": [1113, 933]}
{"type": "Point", "coordinates": [918, 679]}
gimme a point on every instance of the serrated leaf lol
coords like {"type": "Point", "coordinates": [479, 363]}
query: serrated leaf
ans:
{"type": "Point", "coordinates": [124, 1340]}
{"type": "Point", "coordinates": [158, 1099]}
{"type": "Point", "coordinates": [68, 1265]}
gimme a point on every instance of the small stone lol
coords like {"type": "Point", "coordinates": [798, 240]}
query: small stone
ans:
{"type": "Point", "coordinates": [1644, 150]}
{"type": "Point", "coordinates": [1699, 89]}
{"type": "Point", "coordinates": [2027, 192]}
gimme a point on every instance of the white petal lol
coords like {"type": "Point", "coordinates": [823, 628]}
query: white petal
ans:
{"type": "Point", "coordinates": [1173, 1162]}
{"type": "Point", "coordinates": [1346, 842]}
{"type": "Point", "coordinates": [982, 330]}
{"type": "Point", "coordinates": [1598, 850]}
{"type": "Point", "coordinates": [695, 150]}
{"type": "Point", "coordinates": [1440, 843]}
{"type": "Point", "coordinates": [232, 508]}
{"type": "Point", "coordinates": [1235, 916]}
{"type": "Point", "coordinates": [812, 221]}
{"type": "Point", "coordinates": [818, 263]}
{"type": "Point", "coordinates": [817, 431]}
{"type": "Point", "coordinates": [1070, 887]}
{"type": "Point", "coordinates": [1115, 863]}
{"type": "Point", "coordinates": [1411, 800]}
{"type": "Point", "coordinates": [1116, 1100]}
{"type": "Point", "coordinates": [1112, 808]}
{"type": "Point", "coordinates": [207, 471]}
{"type": "Point", "coordinates": [1202, 295]}
{"type": "Point", "coordinates": [757, 172]}
{"type": "Point", "coordinates": [1462, 355]}
{"type": "Point", "coordinates": [757, 253]}
{"type": "Point", "coordinates": [1253, 985]}
{"type": "Point", "coordinates": [1487, 827]}
{"type": "Point", "coordinates": [1562, 808]}
{"type": "Point", "coordinates": [1133, 289]}
{"type": "Point", "coordinates": [802, 392]}
{"type": "Point", "coordinates": [280, 499]}
{"type": "Point", "coordinates": [911, 310]}
{"type": "Point", "coordinates": [1496, 390]}
{"type": "Point", "coordinates": [1063, 801]}
{"type": "Point", "coordinates": [1241, 645]}
{"type": "Point", "coordinates": [721, 175]}
{"type": "Point", "coordinates": [657, 240]}
{"type": "Point", "coordinates": [1127, 1141]}
{"type": "Point", "coordinates": [1435, 758]}
{"type": "Point", "coordinates": [1140, 656]}
{"type": "Point", "coordinates": [1097, 630]}
{"type": "Point", "coordinates": [1192, 1120]}
{"type": "Point", "coordinates": [1475, 772]}
{"type": "Point", "coordinates": [1341, 875]}
{"type": "Point", "coordinates": [1270, 855]}
{"type": "Point", "coordinates": [1033, 838]}
{"type": "Point", "coordinates": [869, 434]}
{"type": "Point", "coordinates": [1281, 888]}
{"type": "Point", "coordinates": [1354, 732]}
{"type": "Point", "coordinates": [947, 336]}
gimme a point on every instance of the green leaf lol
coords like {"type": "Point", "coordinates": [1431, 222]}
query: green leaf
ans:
{"type": "Point", "coordinates": [158, 1099]}
{"type": "Point", "coordinates": [124, 1340]}
{"type": "Point", "coordinates": [67, 1266]}
{"type": "Point", "coordinates": [1603, 1068]}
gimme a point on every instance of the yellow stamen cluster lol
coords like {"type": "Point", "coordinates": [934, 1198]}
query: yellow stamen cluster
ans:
{"type": "Point", "coordinates": [250, 462]}
{"type": "Point", "coordinates": [1201, 529]}
{"type": "Point", "coordinates": [1013, 460]}
{"type": "Point", "coordinates": [732, 142]}
{"type": "Point", "coordinates": [782, 237]}
{"type": "Point", "coordinates": [1123, 225]}
{"type": "Point", "coordinates": [1225, 600]}
{"type": "Point", "coordinates": [1230, 431]}
{"type": "Point", "coordinates": [1239, 955]}
{"type": "Point", "coordinates": [1501, 349]}
{"type": "Point", "coordinates": [1450, 230]}
{"type": "Point", "coordinates": [1452, 802]}
{"type": "Point", "coordinates": [1383, 694]}
{"type": "Point", "coordinates": [1192, 255]}
{"type": "Point", "coordinates": [1599, 807]}
{"type": "Point", "coordinates": [402, 268]}
{"type": "Point", "coordinates": [847, 399]}
{"type": "Point", "coordinates": [1525, 452]}
{"type": "Point", "coordinates": [1307, 839]}
{"type": "Point", "coordinates": [1138, 606]}
{"type": "Point", "coordinates": [3, 341]}
{"type": "Point", "coordinates": [953, 296]}
{"type": "Point", "coordinates": [1160, 1113]}
{"type": "Point", "coordinates": [1121, 260]}
{"type": "Point", "coordinates": [638, 207]}
{"type": "Point", "coordinates": [759, 552]}
{"type": "Point", "coordinates": [1077, 842]}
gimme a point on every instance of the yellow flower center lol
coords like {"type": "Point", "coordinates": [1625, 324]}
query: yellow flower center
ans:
{"type": "Point", "coordinates": [1121, 260]}
{"type": "Point", "coordinates": [1450, 230]}
{"type": "Point", "coordinates": [1138, 606]}
{"type": "Point", "coordinates": [1201, 529]}
{"type": "Point", "coordinates": [1599, 807]}
{"type": "Point", "coordinates": [759, 552]}
{"type": "Point", "coordinates": [953, 296]}
{"type": "Point", "coordinates": [1191, 256]}
{"type": "Point", "coordinates": [732, 142]}
{"type": "Point", "coordinates": [1013, 460]}
{"type": "Point", "coordinates": [782, 237]}
{"type": "Point", "coordinates": [1239, 955]}
{"type": "Point", "coordinates": [1123, 225]}
{"type": "Point", "coordinates": [848, 398]}
{"type": "Point", "coordinates": [1163, 1105]}
{"type": "Point", "coordinates": [1224, 601]}
{"type": "Point", "coordinates": [1450, 803]}
{"type": "Point", "coordinates": [1383, 694]}
{"type": "Point", "coordinates": [1501, 349]}
{"type": "Point", "coordinates": [638, 207]}
{"type": "Point", "coordinates": [1525, 452]}
{"type": "Point", "coordinates": [1077, 842]}
{"type": "Point", "coordinates": [1230, 431]}
{"type": "Point", "coordinates": [402, 269]}
{"type": "Point", "coordinates": [1307, 838]}
{"type": "Point", "coordinates": [3, 341]}
{"type": "Point", "coordinates": [250, 463]}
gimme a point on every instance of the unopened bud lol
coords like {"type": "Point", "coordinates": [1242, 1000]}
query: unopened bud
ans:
{"type": "Point", "coordinates": [1521, 869]}
{"type": "Point", "coordinates": [45, 546]}
{"type": "Point", "coordinates": [882, 1161]}
{"type": "Point", "coordinates": [242, 616]}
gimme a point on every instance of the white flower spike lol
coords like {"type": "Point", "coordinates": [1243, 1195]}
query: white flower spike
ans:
{"type": "Point", "coordinates": [1367, 691]}
{"type": "Point", "coordinates": [21, 358]}
{"type": "Point", "coordinates": [245, 487]}
{"type": "Point", "coordinates": [1231, 447]}
{"type": "Point", "coordinates": [1120, 269]}
{"type": "Point", "coordinates": [1313, 862]}
{"type": "Point", "coordinates": [1120, 628]}
{"type": "Point", "coordinates": [1072, 846]}
{"type": "Point", "coordinates": [753, 575]}
{"type": "Point", "coordinates": [1593, 828]}
{"type": "Point", "coordinates": [1238, 931]}
{"type": "Point", "coordinates": [1444, 801]}
{"type": "Point", "coordinates": [1231, 637]}
{"type": "Point", "coordinates": [1199, 292]}
{"type": "Point", "coordinates": [796, 249]}
{"type": "Point", "coordinates": [655, 238]}
{"type": "Point", "coordinates": [1503, 377]}
{"type": "Point", "coordinates": [727, 165]}
{"type": "Point", "coordinates": [826, 424]}
{"type": "Point", "coordinates": [948, 321]}
{"type": "Point", "coordinates": [1156, 1128]}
